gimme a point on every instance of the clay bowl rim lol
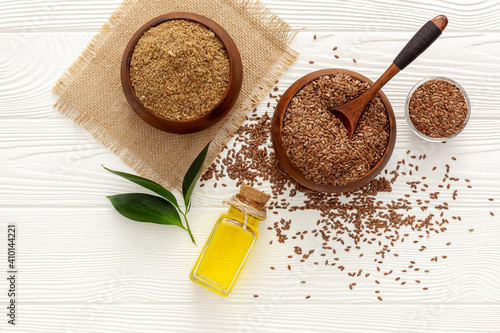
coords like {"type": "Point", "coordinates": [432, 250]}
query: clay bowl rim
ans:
{"type": "Point", "coordinates": [211, 117]}
{"type": "Point", "coordinates": [287, 164]}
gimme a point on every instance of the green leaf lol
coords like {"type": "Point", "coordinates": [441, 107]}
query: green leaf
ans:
{"type": "Point", "coordinates": [192, 176]}
{"type": "Point", "coordinates": [143, 207]}
{"type": "Point", "coordinates": [149, 184]}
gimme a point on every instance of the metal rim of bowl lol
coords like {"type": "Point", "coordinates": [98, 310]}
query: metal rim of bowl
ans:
{"type": "Point", "coordinates": [212, 116]}
{"type": "Point", "coordinates": [407, 108]}
{"type": "Point", "coordinates": [286, 163]}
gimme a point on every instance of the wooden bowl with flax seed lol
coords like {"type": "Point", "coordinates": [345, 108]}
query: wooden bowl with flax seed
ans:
{"type": "Point", "coordinates": [310, 142]}
{"type": "Point", "coordinates": [181, 72]}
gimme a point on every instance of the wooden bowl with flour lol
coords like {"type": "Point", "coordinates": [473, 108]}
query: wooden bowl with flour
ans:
{"type": "Point", "coordinates": [196, 123]}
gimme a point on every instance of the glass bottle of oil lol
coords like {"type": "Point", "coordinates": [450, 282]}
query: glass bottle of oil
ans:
{"type": "Point", "coordinates": [230, 242]}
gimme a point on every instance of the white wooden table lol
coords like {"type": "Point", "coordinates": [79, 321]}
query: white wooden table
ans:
{"type": "Point", "coordinates": [84, 268]}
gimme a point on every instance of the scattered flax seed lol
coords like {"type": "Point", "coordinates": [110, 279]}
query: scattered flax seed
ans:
{"type": "Point", "coordinates": [492, 214]}
{"type": "Point", "coordinates": [315, 37]}
{"type": "Point", "coordinates": [302, 281]}
{"type": "Point", "coordinates": [289, 267]}
{"type": "Point", "coordinates": [335, 48]}
{"type": "Point", "coordinates": [311, 62]}
{"type": "Point", "coordinates": [471, 230]}
{"type": "Point", "coordinates": [354, 60]}
{"type": "Point", "coordinates": [379, 298]}
{"type": "Point", "coordinates": [308, 296]}
{"type": "Point", "coordinates": [454, 158]}
{"type": "Point", "coordinates": [491, 199]}
{"type": "Point", "coordinates": [356, 218]}
{"type": "Point", "coordinates": [448, 244]}
{"type": "Point", "coordinates": [336, 56]}
{"type": "Point", "coordinates": [272, 268]}
{"type": "Point", "coordinates": [179, 69]}
{"type": "Point", "coordinates": [255, 296]}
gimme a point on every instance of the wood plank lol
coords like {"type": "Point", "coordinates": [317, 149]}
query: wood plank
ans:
{"type": "Point", "coordinates": [57, 162]}
{"type": "Point", "coordinates": [28, 16]}
{"type": "Point", "coordinates": [83, 251]}
{"type": "Point", "coordinates": [99, 315]}
{"type": "Point", "coordinates": [28, 70]}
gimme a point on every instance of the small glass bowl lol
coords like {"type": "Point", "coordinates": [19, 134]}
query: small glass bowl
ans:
{"type": "Point", "coordinates": [407, 108]}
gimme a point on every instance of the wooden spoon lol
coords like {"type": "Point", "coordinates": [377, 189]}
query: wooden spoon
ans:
{"type": "Point", "coordinates": [349, 113]}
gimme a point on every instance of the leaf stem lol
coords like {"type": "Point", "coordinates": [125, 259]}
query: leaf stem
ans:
{"type": "Point", "coordinates": [188, 228]}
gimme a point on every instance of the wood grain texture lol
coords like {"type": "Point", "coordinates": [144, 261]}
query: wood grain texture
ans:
{"type": "Point", "coordinates": [99, 316]}
{"type": "Point", "coordinates": [30, 76]}
{"type": "Point", "coordinates": [396, 15]}
{"type": "Point", "coordinates": [85, 268]}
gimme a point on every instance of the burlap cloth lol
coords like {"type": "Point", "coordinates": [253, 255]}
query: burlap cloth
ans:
{"type": "Point", "coordinates": [91, 93]}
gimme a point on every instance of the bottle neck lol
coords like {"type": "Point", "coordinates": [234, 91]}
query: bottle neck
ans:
{"type": "Point", "coordinates": [251, 219]}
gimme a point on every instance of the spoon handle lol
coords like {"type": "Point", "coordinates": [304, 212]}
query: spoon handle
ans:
{"type": "Point", "coordinates": [421, 41]}
{"type": "Point", "coordinates": [418, 44]}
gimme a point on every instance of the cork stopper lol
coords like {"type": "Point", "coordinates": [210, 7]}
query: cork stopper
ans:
{"type": "Point", "coordinates": [253, 194]}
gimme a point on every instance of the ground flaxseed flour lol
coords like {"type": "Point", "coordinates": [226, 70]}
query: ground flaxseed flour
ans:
{"type": "Point", "coordinates": [179, 69]}
{"type": "Point", "coordinates": [90, 91]}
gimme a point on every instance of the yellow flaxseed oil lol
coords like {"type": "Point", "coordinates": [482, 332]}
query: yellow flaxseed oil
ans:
{"type": "Point", "coordinates": [230, 242]}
